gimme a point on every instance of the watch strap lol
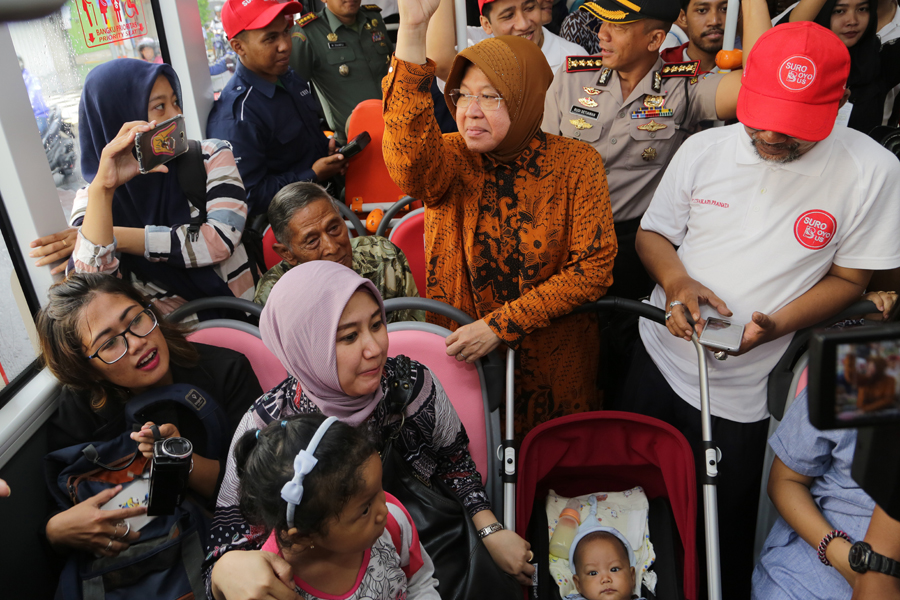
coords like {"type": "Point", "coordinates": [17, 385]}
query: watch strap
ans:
{"type": "Point", "coordinates": [492, 528]}
{"type": "Point", "coordinates": [882, 564]}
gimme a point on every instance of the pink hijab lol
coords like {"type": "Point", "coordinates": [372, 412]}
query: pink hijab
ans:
{"type": "Point", "coordinates": [299, 325]}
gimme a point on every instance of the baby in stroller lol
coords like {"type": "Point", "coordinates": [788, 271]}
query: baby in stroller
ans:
{"type": "Point", "coordinates": [602, 562]}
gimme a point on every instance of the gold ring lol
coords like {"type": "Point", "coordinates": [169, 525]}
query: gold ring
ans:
{"type": "Point", "coordinates": [530, 556]}
{"type": "Point", "coordinates": [65, 243]}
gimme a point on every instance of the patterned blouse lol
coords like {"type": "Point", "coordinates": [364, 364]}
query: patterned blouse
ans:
{"type": "Point", "coordinates": [433, 441]}
{"type": "Point", "coordinates": [218, 244]}
{"type": "Point", "coordinates": [517, 245]}
{"type": "Point", "coordinates": [396, 567]}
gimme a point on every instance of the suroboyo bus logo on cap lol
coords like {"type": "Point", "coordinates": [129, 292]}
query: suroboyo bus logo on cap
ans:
{"type": "Point", "coordinates": [814, 229]}
{"type": "Point", "coordinates": [797, 73]}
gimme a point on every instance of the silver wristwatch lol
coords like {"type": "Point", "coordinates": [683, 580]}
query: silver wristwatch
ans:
{"type": "Point", "coordinates": [492, 528]}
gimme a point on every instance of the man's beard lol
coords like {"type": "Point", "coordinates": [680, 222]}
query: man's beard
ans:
{"type": "Point", "coordinates": [710, 47]}
{"type": "Point", "coordinates": [792, 155]}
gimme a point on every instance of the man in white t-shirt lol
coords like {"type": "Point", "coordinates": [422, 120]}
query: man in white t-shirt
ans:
{"type": "Point", "coordinates": [498, 17]}
{"type": "Point", "coordinates": [778, 221]}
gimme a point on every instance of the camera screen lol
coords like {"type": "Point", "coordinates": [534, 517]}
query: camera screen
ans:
{"type": "Point", "coordinates": [867, 381]}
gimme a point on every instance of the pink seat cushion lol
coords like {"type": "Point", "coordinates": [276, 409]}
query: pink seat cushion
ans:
{"type": "Point", "coordinates": [409, 236]}
{"type": "Point", "coordinates": [460, 380]}
{"type": "Point", "coordinates": [267, 367]}
{"type": "Point", "coordinates": [801, 382]}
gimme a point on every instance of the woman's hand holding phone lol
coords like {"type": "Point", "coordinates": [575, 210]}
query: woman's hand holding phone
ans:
{"type": "Point", "coordinates": [118, 165]}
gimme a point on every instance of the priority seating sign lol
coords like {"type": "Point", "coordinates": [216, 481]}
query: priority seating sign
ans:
{"type": "Point", "coordinates": [109, 21]}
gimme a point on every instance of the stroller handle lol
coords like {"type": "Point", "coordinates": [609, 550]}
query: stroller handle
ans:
{"type": "Point", "coordinates": [613, 303]}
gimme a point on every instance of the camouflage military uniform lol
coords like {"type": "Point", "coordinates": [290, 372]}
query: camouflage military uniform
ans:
{"type": "Point", "coordinates": [374, 258]}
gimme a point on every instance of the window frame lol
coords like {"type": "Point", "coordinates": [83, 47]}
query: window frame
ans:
{"type": "Point", "coordinates": [29, 203]}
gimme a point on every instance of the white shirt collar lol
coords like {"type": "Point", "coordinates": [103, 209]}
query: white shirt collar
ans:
{"type": "Point", "coordinates": [811, 164]}
{"type": "Point", "coordinates": [891, 30]}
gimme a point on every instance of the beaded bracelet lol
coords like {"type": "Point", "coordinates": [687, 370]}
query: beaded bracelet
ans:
{"type": "Point", "coordinates": [823, 545]}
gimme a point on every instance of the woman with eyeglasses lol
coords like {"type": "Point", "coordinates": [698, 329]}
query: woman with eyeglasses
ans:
{"type": "Point", "coordinates": [106, 343]}
{"type": "Point", "coordinates": [518, 226]}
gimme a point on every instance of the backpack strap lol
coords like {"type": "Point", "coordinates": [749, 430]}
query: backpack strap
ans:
{"type": "Point", "coordinates": [192, 181]}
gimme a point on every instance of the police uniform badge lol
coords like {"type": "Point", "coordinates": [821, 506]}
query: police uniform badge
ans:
{"type": "Point", "coordinates": [580, 124]}
{"type": "Point", "coordinates": [652, 126]}
{"type": "Point", "coordinates": [591, 90]}
{"type": "Point", "coordinates": [577, 64]}
{"type": "Point", "coordinates": [605, 76]}
{"type": "Point", "coordinates": [367, 27]}
{"type": "Point", "coordinates": [682, 69]}
{"type": "Point", "coordinates": [332, 37]}
{"type": "Point", "coordinates": [653, 108]}
{"type": "Point", "coordinates": [377, 36]}
{"type": "Point", "coordinates": [299, 35]}
{"type": "Point", "coordinates": [649, 154]}
{"type": "Point", "coordinates": [657, 82]}
{"type": "Point", "coordinates": [344, 70]}
{"type": "Point", "coordinates": [654, 101]}
{"type": "Point", "coordinates": [374, 22]}
{"type": "Point", "coordinates": [587, 101]}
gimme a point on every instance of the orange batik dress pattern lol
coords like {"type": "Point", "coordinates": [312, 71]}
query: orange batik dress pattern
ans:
{"type": "Point", "coordinates": [518, 245]}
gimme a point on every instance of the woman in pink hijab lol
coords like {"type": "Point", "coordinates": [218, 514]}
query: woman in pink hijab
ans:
{"type": "Point", "coordinates": [327, 326]}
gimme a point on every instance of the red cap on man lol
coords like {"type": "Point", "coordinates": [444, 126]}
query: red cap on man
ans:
{"type": "Point", "coordinates": [794, 81]}
{"type": "Point", "coordinates": [241, 15]}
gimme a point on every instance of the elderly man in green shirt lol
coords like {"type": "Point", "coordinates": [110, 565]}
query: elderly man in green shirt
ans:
{"type": "Point", "coordinates": [308, 226]}
{"type": "Point", "coordinates": [344, 50]}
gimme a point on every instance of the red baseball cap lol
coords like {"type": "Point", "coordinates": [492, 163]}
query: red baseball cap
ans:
{"type": "Point", "coordinates": [241, 15]}
{"type": "Point", "coordinates": [794, 80]}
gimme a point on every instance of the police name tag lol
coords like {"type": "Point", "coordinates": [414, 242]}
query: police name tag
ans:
{"type": "Point", "coordinates": [335, 45]}
{"type": "Point", "coordinates": [590, 114]}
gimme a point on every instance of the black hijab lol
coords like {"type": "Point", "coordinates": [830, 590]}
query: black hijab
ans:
{"type": "Point", "coordinates": [865, 66]}
{"type": "Point", "coordinates": [115, 93]}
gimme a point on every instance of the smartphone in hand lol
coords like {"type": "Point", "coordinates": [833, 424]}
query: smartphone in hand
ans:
{"type": "Point", "coordinates": [722, 334]}
{"type": "Point", "coordinates": [161, 144]}
{"type": "Point", "coordinates": [356, 145]}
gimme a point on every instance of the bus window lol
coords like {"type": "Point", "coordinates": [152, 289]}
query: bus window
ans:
{"type": "Point", "coordinates": [55, 55]}
{"type": "Point", "coordinates": [18, 338]}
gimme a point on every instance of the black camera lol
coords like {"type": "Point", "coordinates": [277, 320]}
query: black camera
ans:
{"type": "Point", "coordinates": [854, 381]}
{"type": "Point", "coordinates": [169, 471]}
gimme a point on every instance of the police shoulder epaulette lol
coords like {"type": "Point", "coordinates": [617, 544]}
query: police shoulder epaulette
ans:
{"type": "Point", "coordinates": [680, 69]}
{"type": "Point", "coordinates": [307, 19]}
{"type": "Point", "coordinates": [374, 7]}
{"type": "Point", "coordinates": [577, 64]}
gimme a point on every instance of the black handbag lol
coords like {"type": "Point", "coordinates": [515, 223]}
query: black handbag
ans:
{"type": "Point", "coordinates": [462, 564]}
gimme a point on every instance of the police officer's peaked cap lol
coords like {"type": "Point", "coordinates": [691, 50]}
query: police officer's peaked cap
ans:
{"type": "Point", "coordinates": [628, 11]}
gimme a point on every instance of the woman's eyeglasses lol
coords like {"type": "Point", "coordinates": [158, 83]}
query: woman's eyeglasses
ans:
{"type": "Point", "coordinates": [485, 101]}
{"type": "Point", "coordinates": [116, 347]}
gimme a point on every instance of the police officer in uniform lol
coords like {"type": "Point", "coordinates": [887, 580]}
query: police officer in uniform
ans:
{"type": "Point", "coordinates": [636, 110]}
{"type": "Point", "coordinates": [345, 51]}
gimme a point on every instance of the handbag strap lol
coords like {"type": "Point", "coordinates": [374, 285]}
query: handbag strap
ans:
{"type": "Point", "coordinates": [399, 392]}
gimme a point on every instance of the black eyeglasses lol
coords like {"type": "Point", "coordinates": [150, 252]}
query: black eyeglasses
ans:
{"type": "Point", "coordinates": [485, 101]}
{"type": "Point", "coordinates": [116, 347]}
